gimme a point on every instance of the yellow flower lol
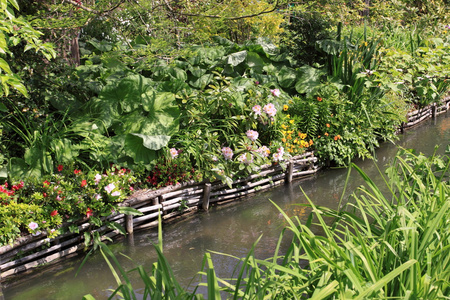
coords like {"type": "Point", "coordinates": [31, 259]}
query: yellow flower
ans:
{"type": "Point", "coordinates": [283, 140]}
{"type": "Point", "coordinates": [302, 135]}
{"type": "Point", "coordinates": [292, 121]}
{"type": "Point", "coordinates": [289, 137]}
{"type": "Point", "coordinates": [288, 116]}
{"type": "Point", "coordinates": [285, 107]}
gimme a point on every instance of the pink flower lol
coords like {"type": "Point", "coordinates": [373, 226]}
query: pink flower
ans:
{"type": "Point", "coordinates": [33, 225]}
{"type": "Point", "coordinates": [270, 110]}
{"type": "Point", "coordinates": [245, 158]}
{"type": "Point", "coordinates": [89, 213]}
{"type": "Point", "coordinates": [173, 152]}
{"type": "Point", "coordinates": [252, 135]}
{"type": "Point", "coordinates": [275, 92]}
{"type": "Point", "coordinates": [264, 151]}
{"type": "Point", "coordinates": [257, 109]}
{"type": "Point", "coordinates": [83, 183]}
{"type": "Point", "coordinates": [109, 188]}
{"type": "Point", "coordinates": [115, 194]}
{"type": "Point", "coordinates": [277, 157]}
{"type": "Point", "coordinates": [97, 178]}
{"type": "Point", "coordinates": [227, 153]}
{"type": "Point", "coordinates": [98, 196]}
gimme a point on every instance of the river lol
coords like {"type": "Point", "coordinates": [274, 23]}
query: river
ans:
{"type": "Point", "coordinates": [230, 229]}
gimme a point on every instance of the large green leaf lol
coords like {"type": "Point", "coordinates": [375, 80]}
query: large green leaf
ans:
{"type": "Point", "coordinates": [309, 80]}
{"type": "Point", "coordinates": [134, 147]}
{"type": "Point", "coordinates": [201, 82]}
{"type": "Point", "coordinates": [235, 59]}
{"type": "Point", "coordinates": [255, 62]}
{"type": "Point", "coordinates": [286, 77]}
{"type": "Point", "coordinates": [178, 73]}
{"type": "Point", "coordinates": [39, 159]}
{"type": "Point", "coordinates": [153, 142]}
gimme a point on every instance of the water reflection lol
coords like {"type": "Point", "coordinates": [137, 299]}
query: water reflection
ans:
{"type": "Point", "coordinates": [230, 229]}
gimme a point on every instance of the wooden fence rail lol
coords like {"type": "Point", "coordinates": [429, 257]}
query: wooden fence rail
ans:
{"type": "Point", "coordinates": [31, 251]}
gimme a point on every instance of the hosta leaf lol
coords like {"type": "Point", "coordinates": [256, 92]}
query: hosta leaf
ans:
{"type": "Point", "coordinates": [235, 59]}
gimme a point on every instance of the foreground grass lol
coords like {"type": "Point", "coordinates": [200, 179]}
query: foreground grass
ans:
{"type": "Point", "coordinates": [390, 243]}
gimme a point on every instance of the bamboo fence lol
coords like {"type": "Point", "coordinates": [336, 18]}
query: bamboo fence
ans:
{"type": "Point", "coordinates": [29, 252]}
{"type": "Point", "coordinates": [170, 202]}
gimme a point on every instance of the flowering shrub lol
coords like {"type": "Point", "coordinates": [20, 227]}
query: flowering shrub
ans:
{"type": "Point", "coordinates": [43, 205]}
{"type": "Point", "coordinates": [171, 169]}
{"type": "Point", "coordinates": [293, 140]}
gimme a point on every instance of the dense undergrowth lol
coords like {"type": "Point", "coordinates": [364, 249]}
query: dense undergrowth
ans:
{"type": "Point", "coordinates": [387, 242]}
{"type": "Point", "coordinates": [89, 136]}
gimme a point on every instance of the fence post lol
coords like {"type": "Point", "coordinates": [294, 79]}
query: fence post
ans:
{"type": "Point", "coordinates": [129, 223]}
{"type": "Point", "coordinates": [206, 195]}
{"type": "Point", "coordinates": [433, 110]}
{"type": "Point", "coordinates": [289, 172]}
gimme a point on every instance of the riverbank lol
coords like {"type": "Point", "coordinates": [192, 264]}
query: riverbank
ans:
{"type": "Point", "coordinates": [167, 202]}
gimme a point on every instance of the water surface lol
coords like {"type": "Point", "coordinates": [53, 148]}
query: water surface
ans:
{"type": "Point", "coordinates": [230, 229]}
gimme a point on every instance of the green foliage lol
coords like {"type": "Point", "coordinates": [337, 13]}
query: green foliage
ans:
{"type": "Point", "coordinates": [381, 245]}
{"type": "Point", "coordinates": [302, 31]}
{"type": "Point", "coordinates": [14, 31]}
{"type": "Point", "coordinates": [55, 202]}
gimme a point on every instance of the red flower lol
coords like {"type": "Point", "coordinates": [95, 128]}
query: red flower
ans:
{"type": "Point", "coordinates": [83, 183]}
{"type": "Point", "coordinates": [89, 213]}
{"type": "Point", "coordinates": [319, 99]}
{"type": "Point", "coordinates": [53, 213]}
{"type": "Point", "coordinates": [60, 168]}
{"type": "Point", "coordinates": [76, 171]}
{"type": "Point", "coordinates": [46, 183]}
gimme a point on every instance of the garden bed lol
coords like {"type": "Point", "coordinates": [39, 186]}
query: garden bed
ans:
{"type": "Point", "coordinates": [30, 251]}
{"type": "Point", "coordinates": [170, 202]}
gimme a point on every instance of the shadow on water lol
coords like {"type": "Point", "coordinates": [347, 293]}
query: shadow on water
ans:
{"type": "Point", "coordinates": [230, 229]}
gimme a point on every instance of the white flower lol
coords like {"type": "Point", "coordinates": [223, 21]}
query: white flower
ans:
{"type": "Point", "coordinates": [109, 188]}
{"type": "Point", "coordinates": [115, 194]}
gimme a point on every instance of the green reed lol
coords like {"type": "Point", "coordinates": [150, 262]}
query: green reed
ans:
{"type": "Point", "coordinates": [390, 242]}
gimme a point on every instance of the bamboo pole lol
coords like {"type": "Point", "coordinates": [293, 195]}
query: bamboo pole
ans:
{"type": "Point", "coordinates": [206, 196]}
{"type": "Point", "coordinates": [290, 169]}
